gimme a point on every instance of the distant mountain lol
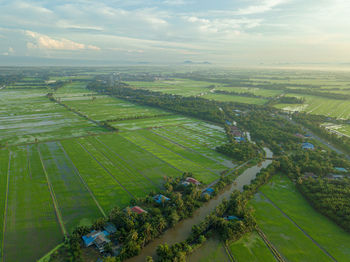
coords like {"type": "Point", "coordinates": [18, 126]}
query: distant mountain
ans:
{"type": "Point", "coordinates": [189, 62]}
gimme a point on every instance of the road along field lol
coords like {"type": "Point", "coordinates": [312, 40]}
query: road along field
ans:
{"type": "Point", "coordinates": [295, 228]}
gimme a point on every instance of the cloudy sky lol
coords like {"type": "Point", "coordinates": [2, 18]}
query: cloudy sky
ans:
{"type": "Point", "coordinates": [171, 31]}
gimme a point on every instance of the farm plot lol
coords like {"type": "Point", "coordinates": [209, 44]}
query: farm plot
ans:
{"type": "Point", "coordinates": [28, 83]}
{"type": "Point", "coordinates": [321, 106]}
{"type": "Point", "coordinates": [74, 200]}
{"type": "Point", "coordinates": [4, 161]}
{"type": "Point", "coordinates": [290, 241]}
{"type": "Point", "coordinates": [130, 125]}
{"type": "Point", "coordinates": [136, 184]}
{"type": "Point", "coordinates": [212, 250]}
{"type": "Point", "coordinates": [180, 150]}
{"type": "Point", "coordinates": [178, 136]}
{"type": "Point", "coordinates": [31, 227]}
{"type": "Point", "coordinates": [177, 86]}
{"type": "Point", "coordinates": [252, 90]}
{"type": "Point", "coordinates": [327, 234]}
{"type": "Point", "coordinates": [178, 157]}
{"type": "Point", "coordinates": [102, 184]}
{"type": "Point", "coordinates": [102, 108]}
{"type": "Point", "coordinates": [28, 116]}
{"type": "Point", "coordinates": [203, 130]}
{"type": "Point", "coordinates": [234, 98]}
{"type": "Point", "coordinates": [251, 248]}
{"type": "Point", "coordinates": [143, 161]}
{"type": "Point", "coordinates": [73, 90]}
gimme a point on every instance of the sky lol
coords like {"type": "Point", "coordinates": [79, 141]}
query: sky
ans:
{"type": "Point", "coordinates": [230, 32]}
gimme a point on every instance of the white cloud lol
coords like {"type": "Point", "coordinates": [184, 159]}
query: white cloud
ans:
{"type": "Point", "coordinates": [265, 6]}
{"type": "Point", "coordinates": [175, 2]}
{"type": "Point", "coordinates": [9, 51]}
{"type": "Point", "coordinates": [45, 42]}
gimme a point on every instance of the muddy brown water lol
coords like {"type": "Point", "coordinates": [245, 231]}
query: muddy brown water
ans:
{"type": "Point", "coordinates": [182, 230]}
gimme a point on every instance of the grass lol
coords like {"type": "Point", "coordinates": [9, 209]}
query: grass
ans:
{"type": "Point", "coordinates": [106, 190]}
{"type": "Point", "coordinates": [212, 250]}
{"type": "Point", "coordinates": [74, 201]}
{"type": "Point", "coordinates": [4, 176]}
{"type": "Point", "coordinates": [143, 161]}
{"type": "Point", "coordinates": [31, 224]}
{"type": "Point", "coordinates": [286, 237]}
{"type": "Point", "coordinates": [321, 106]}
{"type": "Point", "coordinates": [178, 86]}
{"type": "Point", "coordinates": [179, 136]}
{"type": "Point", "coordinates": [173, 158]}
{"type": "Point", "coordinates": [132, 182]}
{"type": "Point", "coordinates": [107, 108]}
{"type": "Point", "coordinates": [237, 99]}
{"type": "Point", "coordinates": [130, 125]}
{"type": "Point", "coordinates": [331, 237]}
{"type": "Point", "coordinates": [251, 248]}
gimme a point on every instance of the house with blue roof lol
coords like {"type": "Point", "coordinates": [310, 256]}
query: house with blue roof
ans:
{"type": "Point", "coordinates": [98, 238]}
{"type": "Point", "coordinates": [341, 169]}
{"type": "Point", "coordinates": [308, 146]}
{"type": "Point", "coordinates": [110, 228]}
{"type": "Point", "coordinates": [209, 191]}
{"type": "Point", "coordinates": [228, 122]}
{"type": "Point", "coordinates": [160, 198]}
{"type": "Point", "coordinates": [239, 139]}
{"type": "Point", "coordinates": [232, 218]}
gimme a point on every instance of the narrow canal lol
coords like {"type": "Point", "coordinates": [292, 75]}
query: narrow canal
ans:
{"type": "Point", "coordinates": [181, 231]}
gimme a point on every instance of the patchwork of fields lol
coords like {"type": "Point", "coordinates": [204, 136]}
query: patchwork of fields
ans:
{"type": "Point", "coordinates": [264, 85]}
{"type": "Point", "coordinates": [298, 232]}
{"type": "Point", "coordinates": [50, 188]}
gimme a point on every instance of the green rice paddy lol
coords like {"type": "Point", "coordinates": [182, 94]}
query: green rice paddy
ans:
{"type": "Point", "coordinates": [61, 182]}
{"type": "Point", "coordinates": [294, 244]}
{"type": "Point", "coordinates": [251, 248]}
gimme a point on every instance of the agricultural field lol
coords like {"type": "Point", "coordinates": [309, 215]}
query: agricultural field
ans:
{"type": "Point", "coordinates": [295, 228]}
{"type": "Point", "coordinates": [252, 248]}
{"type": "Point", "coordinates": [28, 83]}
{"type": "Point", "coordinates": [105, 108]}
{"type": "Point", "coordinates": [320, 106]}
{"type": "Point", "coordinates": [28, 116]}
{"type": "Point", "coordinates": [176, 86]}
{"type": "Point", "coordinates": [255, 91]}
{"type": "Point", "coordinates": [55, 186]}
{"type": "Point", "coordinates": [212, 250]}
{"type": "Point", "coordinates": [340, 129]}
{"type": "Point", "coordinates": [235, 98]}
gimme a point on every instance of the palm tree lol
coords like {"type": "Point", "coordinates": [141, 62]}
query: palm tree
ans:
{"type": "Point", "coordinates": [162, 224]}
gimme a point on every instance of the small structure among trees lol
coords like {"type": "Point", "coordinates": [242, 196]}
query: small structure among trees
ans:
{"type": "Point", "coordinates": [98, 238]}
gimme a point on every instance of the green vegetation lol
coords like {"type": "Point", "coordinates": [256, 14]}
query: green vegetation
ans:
{"type": "Point", "coordinates": [289, 239]}
{"type": "Point", "coordinates": [251, 248]}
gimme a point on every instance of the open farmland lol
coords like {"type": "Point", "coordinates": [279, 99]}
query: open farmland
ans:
{"type": "Point", "coordinates": [252, 248]}
{"type": "Point", "coordinates": [212, 250]}
{"type": "Point", "coordinates": [321, 106]}
{"type": "Point", "coordinates": [56, 186]}
{"type": "Point", "coordinates": [29, 116]}
{"type": "Point", "coordinates": [296, 231]}
{"type": "Point", "coordinates": [105, 108]}
{"type": "Point", "coordinates": [235, 98]}
{"type": "Point", "coordinates": [176, 86]}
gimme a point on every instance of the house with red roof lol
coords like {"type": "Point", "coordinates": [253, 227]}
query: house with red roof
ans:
{"type": "Point", "coordinates": [138, 210]}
